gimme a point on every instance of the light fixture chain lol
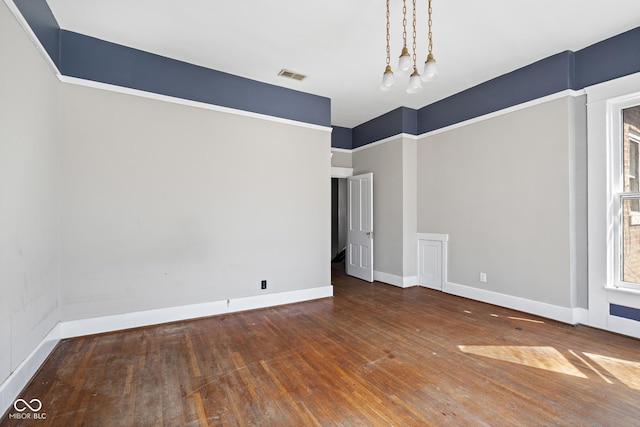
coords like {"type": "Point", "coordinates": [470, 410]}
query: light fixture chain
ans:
{"type": "Point", "coordinates": [404, 23]}
{"type": "Point", "coordinates": [414, 34]}
{"type": "Point", "coordinates": [430, 36]}
{"type": "Point", "coordinates": [388, 36]}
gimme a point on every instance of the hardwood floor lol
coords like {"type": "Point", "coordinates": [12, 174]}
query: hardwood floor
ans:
{"type": "Point", "coordinates": [372, 355]}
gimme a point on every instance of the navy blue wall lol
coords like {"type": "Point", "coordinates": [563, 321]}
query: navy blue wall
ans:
{"type": "Point", "coordinates": [609, 59]}
{"type": "Point", "coordinates": [400, 120]}
{"type": "Point", "coordinates": [77, 55]}
{"type": "Point", "coordinates": [43, 24]}
{"type": "Point", "coordinates": [542, 78]}
{"type": "Point", "coordinates": [341, 137]}
{"type": "Point", "coordinates": [612, 58]}
{"type": "Point", "coordinates": [94, 59]}
{"type": "Point", "coordinates": [625, 312]}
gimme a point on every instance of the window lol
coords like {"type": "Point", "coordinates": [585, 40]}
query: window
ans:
{"type": "Point", "coordinates": [611, 199]}
{"type": "Point", "coordinates": [628, 199]}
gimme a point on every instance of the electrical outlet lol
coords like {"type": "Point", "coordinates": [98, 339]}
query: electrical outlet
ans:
{"type": "Point", "coordinates": [263, 285]}
{"type": "Point", "coordinates": [483, 277]}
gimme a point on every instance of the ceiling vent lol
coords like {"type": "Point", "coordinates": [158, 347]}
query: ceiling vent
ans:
{"type": "Point", "coordinates": [292, 75]}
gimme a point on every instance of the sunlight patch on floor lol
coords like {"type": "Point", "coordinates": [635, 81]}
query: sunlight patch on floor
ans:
{"type": "Point", "coordinates": [547, 358]}
{"type": "Point", "coordinates": [525, 320]}
{"type": "Point", "coordinates": [625, 371]}
{"type": "Point", "coordinates": [590, 366]}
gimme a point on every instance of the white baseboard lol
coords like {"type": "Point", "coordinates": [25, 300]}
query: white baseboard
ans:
{"type": "Point", "coordinates": [623, 326]}
{"type": "Point", "coordinates": [580, 316]}
{"type": "Point", "coordinates": [550, 311]}
{"type": "Point", "coordinates": [97, 325]}
{"type": "Point", "coordinates": [392, 279]}
{"type": "Point", "coordinates": [13, 385]}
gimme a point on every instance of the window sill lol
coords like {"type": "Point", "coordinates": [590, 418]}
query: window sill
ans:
{"type": "Point", "coordinates": [628, 291]}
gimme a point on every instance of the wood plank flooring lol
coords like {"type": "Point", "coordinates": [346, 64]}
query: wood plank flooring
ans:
{"type": "Point", "coordinates": [374, 355]}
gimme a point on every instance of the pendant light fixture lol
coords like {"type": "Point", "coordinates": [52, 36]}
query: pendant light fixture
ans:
{"type": "Point", "coordinates": [430, 70]}
{"type": "Point", "coordinates": [404, 62]}
{"type": "Point", "coordinates": [414, 81]}
{"type": "Point", "coordinates": [407, 62]}
{"type": "Point", "coordinates": [387, 77]}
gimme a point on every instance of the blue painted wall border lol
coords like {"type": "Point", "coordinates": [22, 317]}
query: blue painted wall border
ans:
{"type": "Point", "coordinates": [545, 77]}
{"type": "Point", "coordinates": [81, 56]}
{"type": "Point", "coordinates": [400, 120]}
{"type": "Point", "coordinates": [43, 24]}
{"type": "Point", "coordinates": [341, 137]}
{"type": "Point", "coordinates": [101, 61]}
{"type": "Point", "coordinates": [624, 312]}
{"type": "Point", "coordinates": [609, 59]}
{"type": "Point", "coordinates": [85, 57]}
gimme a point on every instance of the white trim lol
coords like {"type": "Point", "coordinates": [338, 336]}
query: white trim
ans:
{"type": "Point", "coordinates": [620, 325]}
{"type": "Point", "coordinates": [341, 150]}
{"type": "Point", "coordinates": [622, 290]}
{"type": "Point", "coordinates": [341, 172]}
{"type": "Point", "coordinates": [392, 279]}
{"type": "Point", "coordinates": [382, 141]}
{"type": "Point", "coordinates": [97, 325]}
{"type": "Point", "coordinates": [34, 39]}
{"type": "Point", "coordinates": [562, 314]}
{"type": "Point", "coordinates": [580, 316]}
{"type": "Point", "coordinates": [625, 299]}
{"type": "Point", "coordinates": [433, 236]}
{"type": "Point", "coordinates": [13, 385]}
{"type": "Point", "coordinates": [524, 105]}
{"type": "Point", "coordinates": [619, 88]}
{"type": "Point", "coordinates": [188, 103]}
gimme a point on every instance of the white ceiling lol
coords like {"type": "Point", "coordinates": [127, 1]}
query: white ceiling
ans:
{"type": "Point", "coordinates": [340, 44]}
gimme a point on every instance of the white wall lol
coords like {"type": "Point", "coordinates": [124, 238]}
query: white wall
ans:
{"type": "Point", "coordinates": [500, 188]}
{"type": "Point", "coordinates": [29, 189]}
{"type": "Point", "coordinates": [165, 204]}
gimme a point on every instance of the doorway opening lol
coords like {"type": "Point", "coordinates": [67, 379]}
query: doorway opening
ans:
{"type": "Point", "coordinates": [338, 223]}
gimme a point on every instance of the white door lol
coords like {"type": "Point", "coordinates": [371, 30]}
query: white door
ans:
{"type": "Point", "coordinates": [430, 263]}
{"type": "Point", "coordinates": [359, 257]}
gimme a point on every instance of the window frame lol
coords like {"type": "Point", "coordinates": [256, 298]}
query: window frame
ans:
{"type": "Point", "coordinates": [600, 271]}
{"type": "Point", "coordinates": [634, 140]}
{"type": "Point", "coordinates": [617, 193]}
